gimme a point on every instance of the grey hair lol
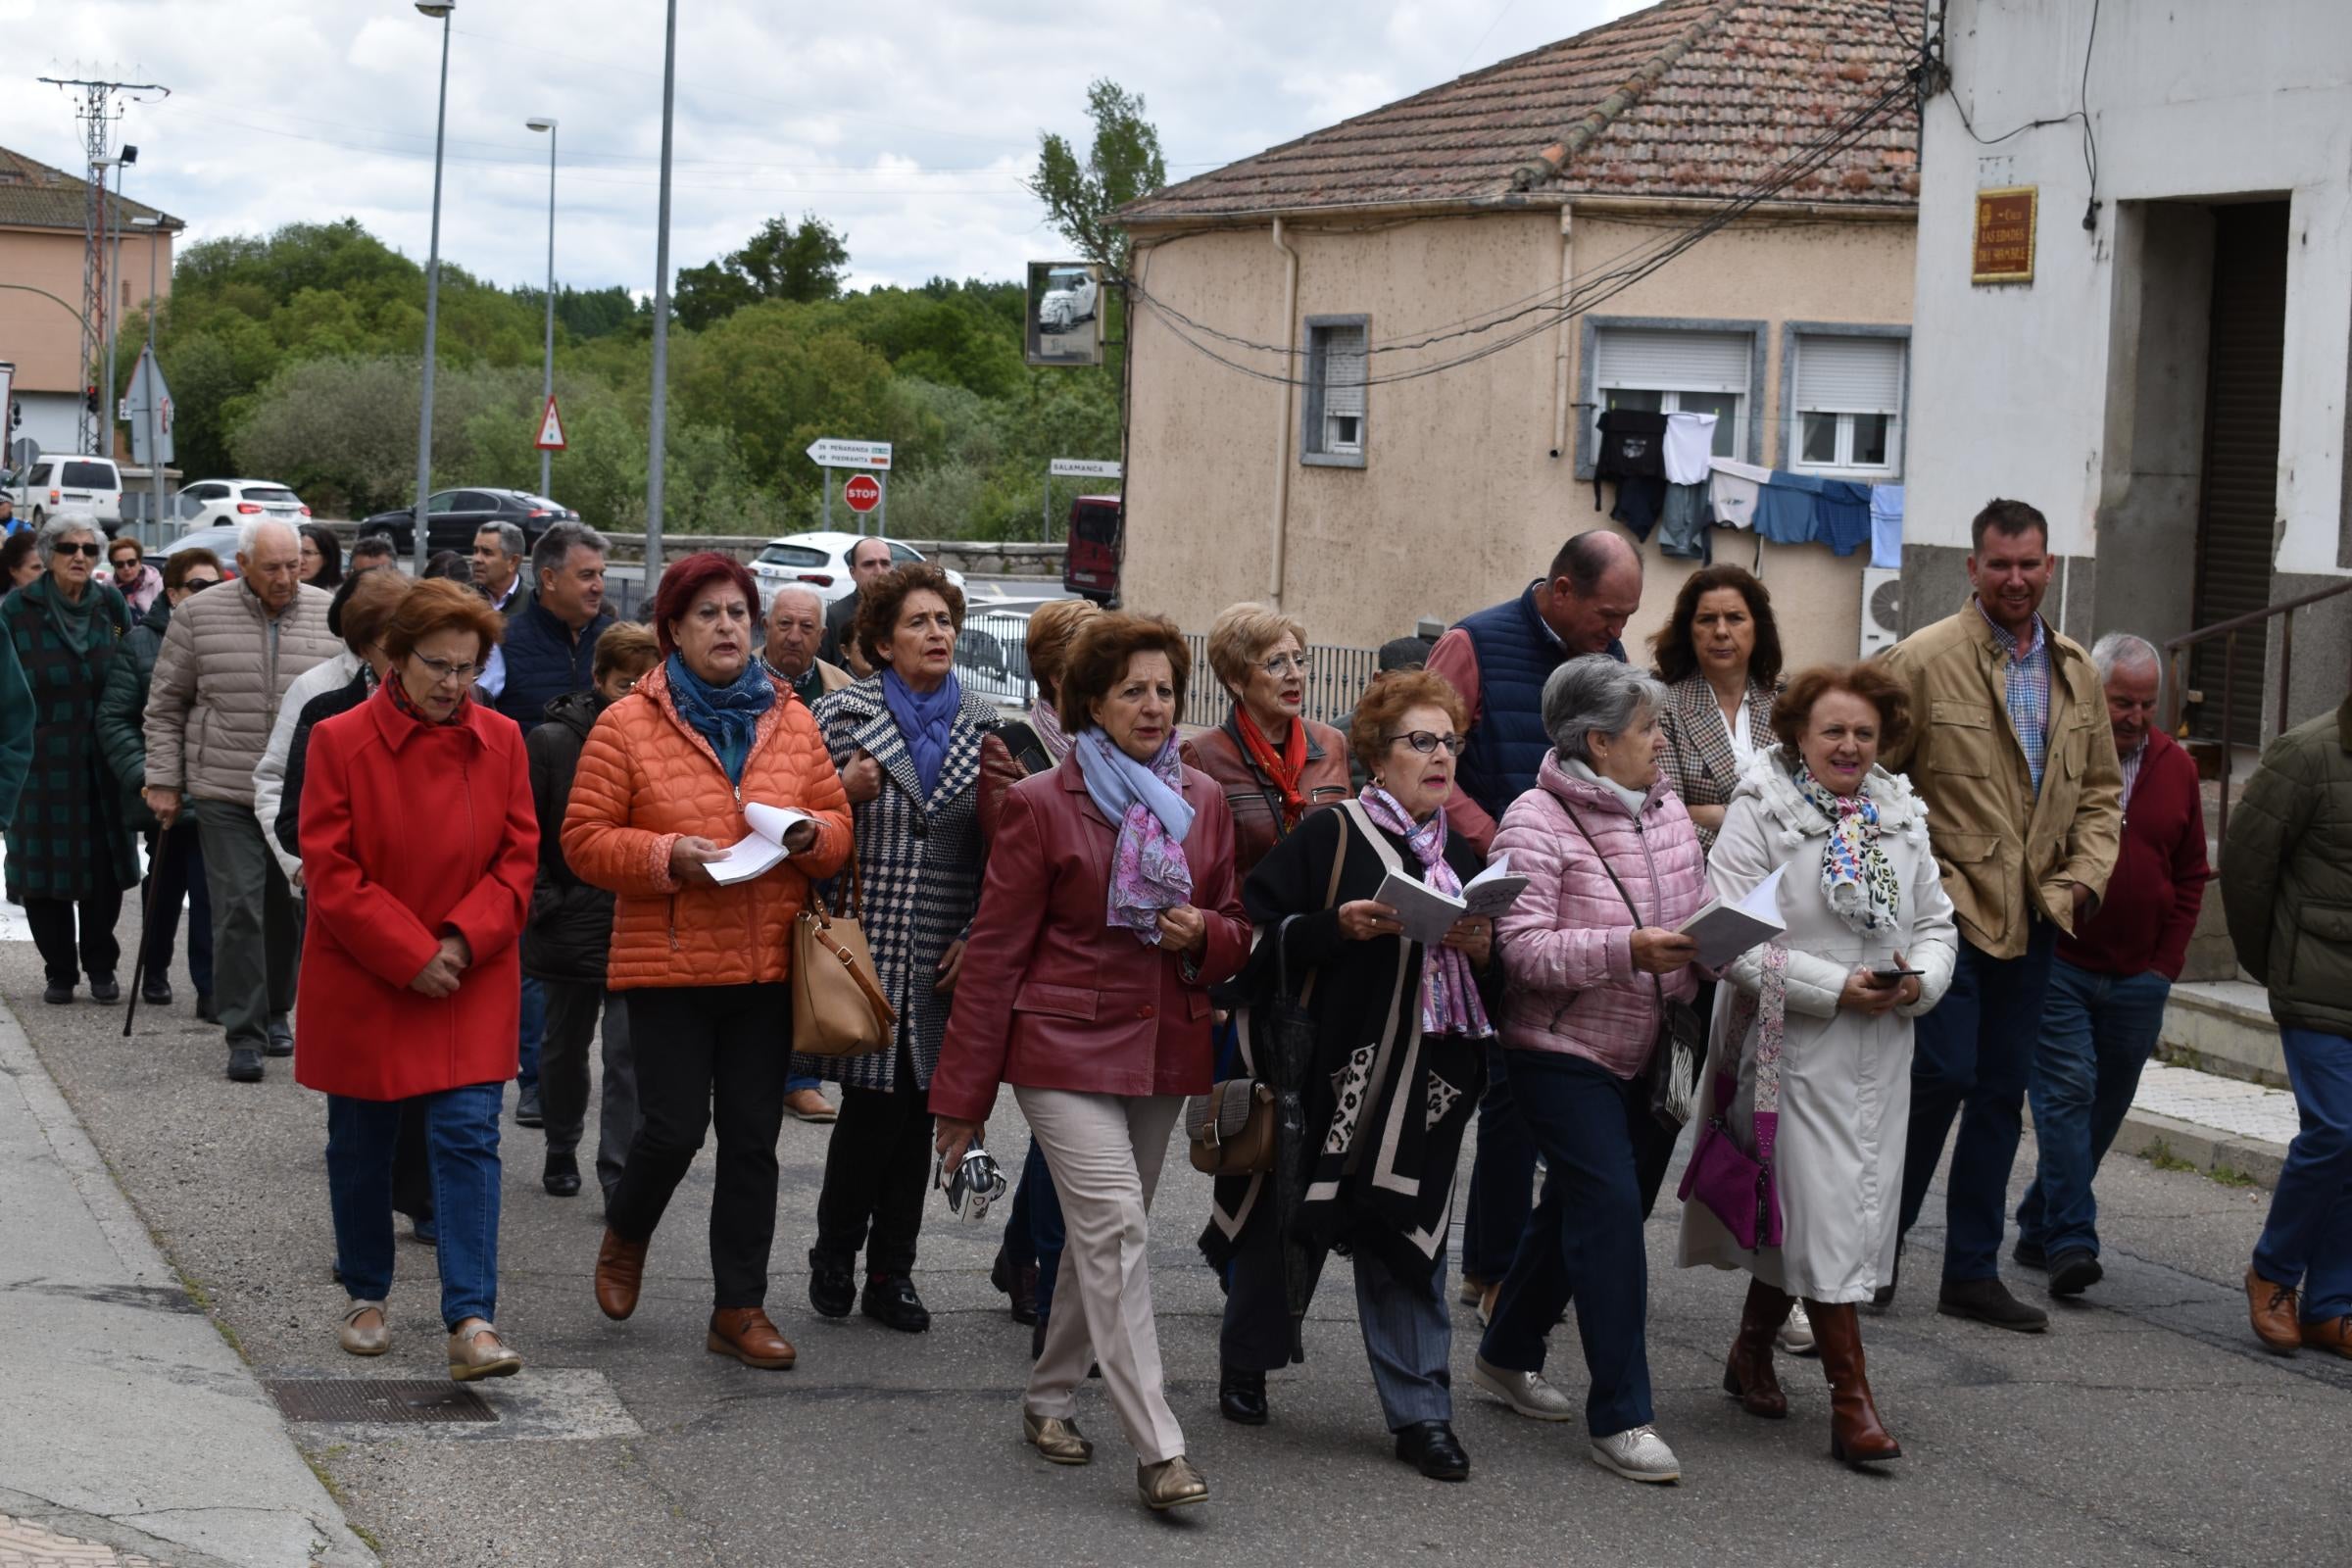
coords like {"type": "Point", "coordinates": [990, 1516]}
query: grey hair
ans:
{"type": "Point", "coordinates": [510, 542]}
{"type": "Point", "coordinates": [554, 546]}
{"type": "Point", "coordinates": [1594, 695]}
{"type": "Point", "coordinates": [2122, 650]}
{"type": "Point", "coordinates": [250, 531]}
{"type": "Point", "coordinates": [798, 591]}
{"type": "Point", "coordinates": [64, 526]}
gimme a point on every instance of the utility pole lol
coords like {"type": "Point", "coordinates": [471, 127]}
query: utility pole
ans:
{"type": "Point", "coordinates": [658, 433]}
{"type": "Point", "coordinates": [97, 113]}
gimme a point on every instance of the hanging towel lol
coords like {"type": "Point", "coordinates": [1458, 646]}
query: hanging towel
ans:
{"type": "Point", "coordinates": [1786, 513]}
{"type": "Point", "coordinates": [1689, 445]}
{"type": "Point", "coordinates": [1640, 500]}
{"type": "Point", "coordinates": [1842, 512]}
{"type": "Point", "coordinates": [1887, 526]}
{"type": "Point", "coordinates": [1738, 488]}
{"type": "Point", "coordinates": [1632, 445]}
{"type": "Point", "coordinates": [1682, 525]}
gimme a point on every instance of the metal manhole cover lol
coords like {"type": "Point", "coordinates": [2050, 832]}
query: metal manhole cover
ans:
{"type": "Point", "coordinates": [406, 1400]}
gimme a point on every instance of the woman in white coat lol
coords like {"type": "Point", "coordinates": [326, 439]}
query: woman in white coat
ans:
{"type": "Point", "coordinates": [1820, 1016]}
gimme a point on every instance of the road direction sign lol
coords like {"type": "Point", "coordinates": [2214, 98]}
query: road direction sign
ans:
{"type": "Point", "coordinates": [150, 414]}
{"type": "Point", "coordinates": [1082, 469]}
{"type": "Point", "coordinates": [827, 452]}
{"type": "Point", "coordinates": [863, 492]}
{"type": "Point", "coordinates": [550, 428]}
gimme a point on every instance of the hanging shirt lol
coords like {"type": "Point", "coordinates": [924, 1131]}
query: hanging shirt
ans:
{"type": "Point", "coordinates": [1887, 526]}
{"type": "Point", "coordinates": [1842, 515]}
{"type": "Point", "coordinates": [1737, 490]}
{"type": "Point", "coordinates": [1640, 500]}
{"type": "Point", "coordinates": [1683, 523]}
{"type": "Point", "coordinates": [1690, 447]}
{"type": "Point", "coordinates": [1786, 516]}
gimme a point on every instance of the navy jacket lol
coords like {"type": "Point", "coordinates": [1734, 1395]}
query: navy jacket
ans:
{"type": "Point", "coordinates": [1516, 654]}
{"type": "Point", "coordinates": [544, 662]}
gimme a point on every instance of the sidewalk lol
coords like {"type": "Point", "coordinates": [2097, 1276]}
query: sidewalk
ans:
{"type": "Point", "coordinates": [2225, 1127]}
{"type": "Point", "coordinates": [130, 1432]}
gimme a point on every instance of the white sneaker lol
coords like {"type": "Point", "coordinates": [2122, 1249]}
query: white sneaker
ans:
{"type": "Point", "coordinates": [1524, 1392]}
{"type": "Point", "coordinates": [1796, 1335]}
{"type": "Point", "coordinates": [1639, 1454]}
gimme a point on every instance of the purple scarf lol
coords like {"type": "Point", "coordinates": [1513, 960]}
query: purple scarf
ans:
{"type": "Point", "coordinates": [1450, 1004]}
{"type": "Point", "coordinates": [1149, 872]}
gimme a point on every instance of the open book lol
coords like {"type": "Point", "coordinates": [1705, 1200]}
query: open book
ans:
{"type": "Point", "coordinates": [763, 849]}
{"type": "Point", "coordinates": [1726, 930]}
{"type": "Point", "coordinates": [1428, 914]}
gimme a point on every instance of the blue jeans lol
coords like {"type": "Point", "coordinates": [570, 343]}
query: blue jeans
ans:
{"type": "Point", "coordinates": [526, 1040]}
{"type": "Point", "coordinates": [1033, 1232]}
{"type": "Point", "coordinates": [2307, 1241]}
{"type": "Point", "coordinates": [1604, 1157]}
{"type": "Point", "coordinates": [793, 1086]}
{"type": "Point", "coordinates": [461, 1137]}
{"type": "Point", "coordinates": [2097, 1031]}
{"type": "Point", "coordinates": [1502, 1180]}
{"type": "Point", "coordinates": [1971, 1059]}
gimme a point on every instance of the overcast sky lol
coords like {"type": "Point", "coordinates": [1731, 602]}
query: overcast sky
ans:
{"type": "Point", "coordinates": [909, 123]}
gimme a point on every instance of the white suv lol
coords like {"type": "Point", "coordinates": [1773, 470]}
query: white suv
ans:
{"type": "Point", "coordinates": [215, 503]}
{"type": "Point", "coordinates": [49, 485]}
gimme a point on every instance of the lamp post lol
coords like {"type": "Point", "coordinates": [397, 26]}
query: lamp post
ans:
{"type": "Point", "coordinates": [105, 446]}
{"type": "Point", "coordinates": [155, 449]}
{"type": "Point", "coordinates": [440, 9]}
{"type": "Point", "coordinates": [547, 379]}
{"type": "Point", "coordinates": [658, 431]}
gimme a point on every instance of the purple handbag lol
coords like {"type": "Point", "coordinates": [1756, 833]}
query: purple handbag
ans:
{"type": "Point", "coordinates": [1738, 1187]}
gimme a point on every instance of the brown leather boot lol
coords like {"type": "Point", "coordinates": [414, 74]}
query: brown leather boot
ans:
{"type": "Point", "coordinates": [745, 1333]}
{"type": "Point", "coordinates": [1855, 1433]}
{"type": "Point", "coordinates": [1748, 1375]}
{"type": "Point", "coordinates": [619, 1271]}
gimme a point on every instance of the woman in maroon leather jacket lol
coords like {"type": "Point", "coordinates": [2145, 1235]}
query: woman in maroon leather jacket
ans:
{"type": "Point", "coordinates": [1109, 911]}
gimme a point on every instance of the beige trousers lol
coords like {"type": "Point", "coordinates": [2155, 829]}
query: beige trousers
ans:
{"type": "Point", "coordinates": [1104, 1152]}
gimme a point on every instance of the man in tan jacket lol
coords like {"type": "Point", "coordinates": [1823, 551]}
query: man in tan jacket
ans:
{"type": "Point", "coordinates": [2011, 749]}
{"type": "Point", "coordinates": [225, 664]}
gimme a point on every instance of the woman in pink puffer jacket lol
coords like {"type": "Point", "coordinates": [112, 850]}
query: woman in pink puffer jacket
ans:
{"type": "Point", "coordinates": [1585, 975]}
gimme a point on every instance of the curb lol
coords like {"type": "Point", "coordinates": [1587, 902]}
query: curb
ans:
{"type": "Point", "coordinates": [2220, 1154]}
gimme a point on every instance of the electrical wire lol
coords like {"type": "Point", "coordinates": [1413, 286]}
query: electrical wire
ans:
{"type": "Point", "coordinates": [1934, 49]}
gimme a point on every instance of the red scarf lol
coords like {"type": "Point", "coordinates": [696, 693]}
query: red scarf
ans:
{"type": "Point", "coordinates": [1284, 770]}
{"type": "Point", "coordinates": [397, 691]}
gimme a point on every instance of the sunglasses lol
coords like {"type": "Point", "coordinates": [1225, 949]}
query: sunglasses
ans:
{"type": "Point", "coordinates": [91, 551]}
{"type": "Point", "coordinates": [199, 584]}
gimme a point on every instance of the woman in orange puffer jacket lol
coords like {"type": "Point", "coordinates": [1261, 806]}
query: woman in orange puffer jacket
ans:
{"type": "Point", "coordinates": [704, 967]}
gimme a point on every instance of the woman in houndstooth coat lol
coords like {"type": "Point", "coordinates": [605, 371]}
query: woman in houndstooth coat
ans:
{"type": "Point", "coordinates": [907, 740]}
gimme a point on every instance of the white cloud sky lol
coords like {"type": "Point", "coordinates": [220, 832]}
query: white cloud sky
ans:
{"type": "Point", "coordinates": [907, 125]}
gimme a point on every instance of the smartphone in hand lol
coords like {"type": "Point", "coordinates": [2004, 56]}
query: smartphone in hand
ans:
{"type": "Point", "coordinates": [1894, 976]}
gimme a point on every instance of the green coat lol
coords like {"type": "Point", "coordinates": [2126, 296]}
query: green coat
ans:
{"type": "Point", "coordinates": [2286, 874]}
{"type": "Point", "coordinates": [122, 716]}
{"type": "Point", "coordinates": [15, 730]}
{"type": "Point", "coordinates": [68, 839]}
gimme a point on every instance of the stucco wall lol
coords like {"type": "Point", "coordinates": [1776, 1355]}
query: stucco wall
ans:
{"type": "Point", "coordinates": [1460, 501]}
{"type": "Point", "coordinates": [43, 338]}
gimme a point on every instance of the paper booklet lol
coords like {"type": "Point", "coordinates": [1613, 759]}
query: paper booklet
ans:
{"type": "Point", "coordinates": [763, 849]}
{"type": "Point", "coordinates": [1428, 914]}
{"type": "Point", "coordinates": [1726, 930]}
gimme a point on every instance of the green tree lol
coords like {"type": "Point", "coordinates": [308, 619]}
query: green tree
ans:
{"type": "Point", "coordinates": [1083, 199]}
{"type": "Point", "coordinates": [779, 262]}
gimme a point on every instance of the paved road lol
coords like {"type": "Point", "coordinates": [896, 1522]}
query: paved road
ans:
{"type": "Point", "coordinates": [2144, 1428]}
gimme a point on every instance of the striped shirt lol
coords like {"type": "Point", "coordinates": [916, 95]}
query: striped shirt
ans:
{"type": "Point", "coordinates": [2026, 680]}
{"type": "Point", "coordinates": [2132, 761]}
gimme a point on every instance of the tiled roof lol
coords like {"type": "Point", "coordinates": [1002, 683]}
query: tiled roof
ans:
{"type": "Point", "coordinates": [1690, 98]}
{"type": "Point", "coordinates": [35, 196]}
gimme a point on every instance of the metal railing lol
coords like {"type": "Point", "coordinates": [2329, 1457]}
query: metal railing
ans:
{"type": "Point", "coordinates": [2179, 692]}
{"type": "Point", "coordinates": [1336, 677]}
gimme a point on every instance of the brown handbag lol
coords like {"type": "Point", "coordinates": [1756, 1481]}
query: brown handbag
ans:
{"type": "Point", "coordinates": [837, 1008]}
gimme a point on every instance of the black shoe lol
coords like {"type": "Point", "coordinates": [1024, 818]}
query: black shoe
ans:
{"type": "Point", "coordinates": [890, 1301]}
{"type": "Point", "coordinates": [281, 1038]}
{"type": "Point", "coordinates": [1883, 1297]}
{"type": "Point", "coordinates": [208, 1010]}
{"type": "Point", "coordinates": [1989, 1301]}
{"type": "Point", "coordinates": [2074, 1271]}
{"type": "Point", "coordinates": [105, 988]}
{"type": "Point", "coordinates": [1018, 1282]}
{"type": "Point", "coordinates": [1036, 1341]}
{"type": "Point", "coordinates": [2028, 1254]}
{"type": "Point", "coordinates": [57, 995]}
{"type": "Point", "coordinates": [832, 1285]}
{"type": "Point", "coordinates": [561, 1177]}
{"type": "Point", "coordinates": [155, 993]}
{"type": "Point", "coordinates": [527, 1111]}
{"type": "Point", "coordinates": [1432, 1447]}
{"type": "Point", "coordinates": [244, 1064]}
{"type": "Point", "coordinates": [1242, 1396]}
{"type": "Point", "coordinates": [426, 1232]}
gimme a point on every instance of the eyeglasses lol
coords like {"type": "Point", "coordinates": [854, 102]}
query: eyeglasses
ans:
{"type": "Point", "coordinates": [1283, 665]}
{"type": "Point", "coordinates": [443, 671]}
{"type": "Point", "coordinates": [1425, 743]}
{"type": "Point", "coordinates": [198, 584]}
{"type": "Point", "coordinates": [90, 550]}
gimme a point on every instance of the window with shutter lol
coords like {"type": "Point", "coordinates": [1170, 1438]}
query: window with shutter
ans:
{"type": "Point", "coordinates": [1672, 370]}
{"type": "Point", "coordinates": [1849, 400]}
{"type": "Point", "coordinates": [1332, 410]}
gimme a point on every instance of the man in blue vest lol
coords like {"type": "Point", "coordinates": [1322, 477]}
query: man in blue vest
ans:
{"type": "Point", "coordinates": [1498, 659]}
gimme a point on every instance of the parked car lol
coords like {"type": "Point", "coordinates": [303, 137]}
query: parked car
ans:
{"type": "Point", "coordinates": [209, 503]}
{"type": "Point", "coordinates": [1090, 562]}
{"type": "Point", "coordinates": [454, 517]}
{"type": "Point", "coordinates": [1068, 300]}
{"type": "Point", "coordinates": [220, 538]}
{"type": "Point", "coordinates": [52, 484]}
{"type": "Point", "coordinates": [820, 562]}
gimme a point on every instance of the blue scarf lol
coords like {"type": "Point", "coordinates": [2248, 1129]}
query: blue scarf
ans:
{"type": "Point", "coordinates": [1145, 803]}
{"type": "Point", "coordinates": [927, 722]}
{"type": "Point", "coordinates": [727, 716]}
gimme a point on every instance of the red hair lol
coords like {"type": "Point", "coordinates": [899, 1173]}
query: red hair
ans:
{"type": "Point", "coordinates": [684, 582]}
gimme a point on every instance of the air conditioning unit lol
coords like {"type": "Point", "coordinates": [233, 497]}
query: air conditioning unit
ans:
{"type": "Point", "coordinates": [1881, 609]}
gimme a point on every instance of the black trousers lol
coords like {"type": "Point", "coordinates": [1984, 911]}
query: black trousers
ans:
{"type": "Point", "coordinates": [52, 922]}
{"type": "Point", "coordinates": [712, 1053]}
{"type": "Point", "coordinates": [877, 1168]}
{"type": "Point", "coordinates": [175, 874]}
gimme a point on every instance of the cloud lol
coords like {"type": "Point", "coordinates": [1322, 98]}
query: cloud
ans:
{"type": "Point", "coordinates": [907, 125]}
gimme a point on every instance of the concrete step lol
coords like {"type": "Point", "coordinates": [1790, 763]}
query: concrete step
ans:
{"type": "Point", "coordinates": [2222, 1027]}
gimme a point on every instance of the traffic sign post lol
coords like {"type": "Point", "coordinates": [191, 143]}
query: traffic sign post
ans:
{"type": "Point", "coordinates": [828, 452]}
{"type": "Point", "coordinates": [864, 493]}
{"type": "Point", "coordinates": [550, 428]}
{"type": "Point", "coordinates": [1067, 469]}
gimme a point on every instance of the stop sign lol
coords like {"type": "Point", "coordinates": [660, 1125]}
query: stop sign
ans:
{"type": "Point", "coordinates": [863, 492]}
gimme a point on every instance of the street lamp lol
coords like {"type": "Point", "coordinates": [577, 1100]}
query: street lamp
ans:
{"type": "Point", "coordinates": [155, 448]}
{"type": "Point", "coordinates": [547, 389]}
{"type": "Point", "coordinates": [440, 9]}
{"type": "Point", "coordinates": [658, 435]}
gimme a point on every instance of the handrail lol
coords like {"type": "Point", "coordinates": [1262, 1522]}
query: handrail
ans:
{"type": "Point", "coordinates": [2176, 684]}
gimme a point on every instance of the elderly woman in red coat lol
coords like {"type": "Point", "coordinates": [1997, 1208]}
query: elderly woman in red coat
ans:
{"type": "Point", "coordinates": [418, 845]}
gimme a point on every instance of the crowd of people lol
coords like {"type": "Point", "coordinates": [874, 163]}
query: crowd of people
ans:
{"type": "Point", "coordinates": [1983, 857]}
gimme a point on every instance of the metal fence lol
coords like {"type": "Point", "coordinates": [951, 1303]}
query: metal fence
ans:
{"type": "Point", "coordinates": [1335, 676]}
{"type": "Point", "coordinates": [992, 657]}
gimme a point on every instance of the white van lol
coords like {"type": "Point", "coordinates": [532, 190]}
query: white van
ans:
{"type": "Point", "coordinates": [49, 485]}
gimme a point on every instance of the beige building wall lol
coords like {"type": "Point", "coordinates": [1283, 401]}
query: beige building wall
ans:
{"type": "Point", "coordinates": [44, 338]}
{"type": "Point", "coordinates": [1460, 502]}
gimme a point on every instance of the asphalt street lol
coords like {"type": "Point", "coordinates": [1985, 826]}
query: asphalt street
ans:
{"type": "Point", "coordinates": [2145, 1427]}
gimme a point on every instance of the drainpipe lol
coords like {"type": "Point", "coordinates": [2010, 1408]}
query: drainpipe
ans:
{"type": "Point", "coordinates": [1559, 358]}
{"type": "Point", "coordinates": [1282, 434]}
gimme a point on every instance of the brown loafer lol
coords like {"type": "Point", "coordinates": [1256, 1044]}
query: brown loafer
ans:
{"type": "Point", "coordinates": [2329, 1334]}
{"type": "Point", "coordinates": [477, 1352]}
{"type": "Point", "coordinates": [745, 1333]}
{"type": "Point", "coordinates": [1058, 1440]}
{"type": "Point", "coordinates": [1170, 1484]}
{"type": "Point", "coordinates": [363, 1331]}
{"type": "Point", "coordinates": [2271, 1307]}
{"type": "Point", "coordinates": [619, 1271]}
